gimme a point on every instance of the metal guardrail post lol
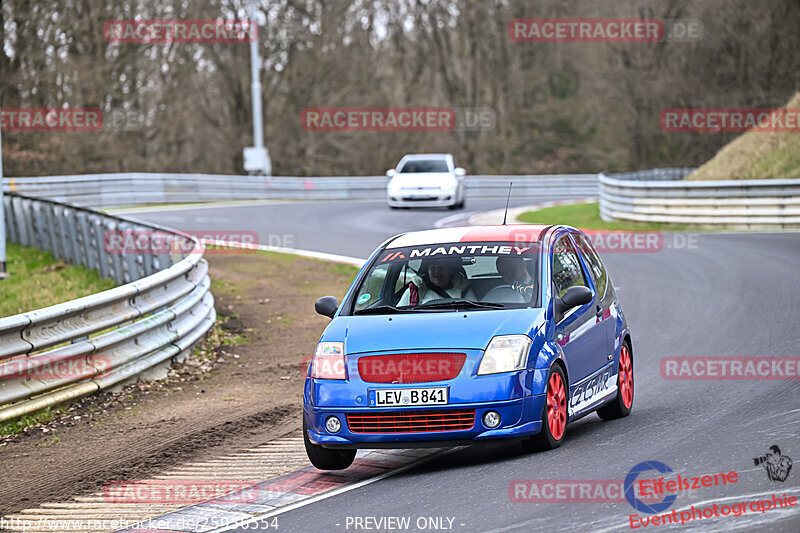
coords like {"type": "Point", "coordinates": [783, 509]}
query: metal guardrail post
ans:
{"type": "Point", "coordinates": [96, 245]}
{"type": "Point", "coordinates": [82, 238]}
{"type": "Point", "coordinates": [3, 258]}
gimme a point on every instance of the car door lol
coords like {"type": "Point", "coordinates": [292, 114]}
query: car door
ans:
{"type": "Point", "coordinates": [604, 297]}
{"type": "Point", "coordinates": [577, 332]}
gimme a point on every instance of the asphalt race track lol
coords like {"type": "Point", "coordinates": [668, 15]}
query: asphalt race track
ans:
{"type": "Point", "coordinates": [351, 228]}
{"type": "Point", "coordinates": [701, 295]}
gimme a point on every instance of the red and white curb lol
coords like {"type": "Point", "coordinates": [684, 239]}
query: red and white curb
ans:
{"type": "Point", "coordinates": [290, 482]}
{"type": "Point", "coordinates": [284, 493]}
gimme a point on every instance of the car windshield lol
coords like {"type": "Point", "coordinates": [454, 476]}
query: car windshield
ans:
{"type": "Point", "coordinates": [451, 277]}
{"type": "Point", "coordinates": [425, 165]}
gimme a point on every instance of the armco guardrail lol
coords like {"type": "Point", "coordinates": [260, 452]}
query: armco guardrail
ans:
{"type": "Point", "coordinates": [656, 174]}
{"type": "Point", "coordinates": [756, 204]}
{"type": "Point", "coordinates": [73, 349]}
{"type": "Point", "coordinates": [109, 190]}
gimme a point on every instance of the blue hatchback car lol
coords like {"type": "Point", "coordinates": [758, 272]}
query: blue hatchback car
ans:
{"type": "Point", "coordinates": [451, 336]}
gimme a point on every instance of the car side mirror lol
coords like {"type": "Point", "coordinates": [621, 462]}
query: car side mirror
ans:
{"type": "Point", "coordinates": [460, 172]}
{"type": "Point", "coordinates": [390, 173]}
{"type": "Point", "coordinates": [326, 306]}
{"type": "Point", "coordinates": [576, 296]}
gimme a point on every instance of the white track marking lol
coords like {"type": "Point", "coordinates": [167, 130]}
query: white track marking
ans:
{"type": "Point", "coordinates": [209, 205]}
{"type": "Point", "coordinates": [355, 261]}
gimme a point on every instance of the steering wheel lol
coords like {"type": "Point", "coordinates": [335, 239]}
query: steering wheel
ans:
{"type": "Point", "coordinates": [503, 294]}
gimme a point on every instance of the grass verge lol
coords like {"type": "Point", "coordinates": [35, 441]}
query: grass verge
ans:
{"type": "Point", "coordinates": [756, 155]}
{"type": "Point", "coordinates": [37, 279]}
{"type": "Point", "coordinates": [12, 427]}
{"type": "Point", "coordinates": [587, 216]}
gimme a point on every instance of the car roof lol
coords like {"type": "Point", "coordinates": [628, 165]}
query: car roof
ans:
{"type": "Point", "coordinates": [408, 157]}
{"type": "Point", "coordinates": [518, 233]}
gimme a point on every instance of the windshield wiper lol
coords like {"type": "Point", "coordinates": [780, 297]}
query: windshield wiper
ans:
{"type": "Point", "coordinates": [381, 309]}
{"type": "Point", "coordinates": [461, 303]}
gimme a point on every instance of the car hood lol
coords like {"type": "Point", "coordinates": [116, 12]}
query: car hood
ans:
{"type": "Point", "coordinates": [423, 179]}
{"type": "Point", "coordinates": [425, 331]}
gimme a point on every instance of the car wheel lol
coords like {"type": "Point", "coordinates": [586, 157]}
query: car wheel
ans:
{"type": "Point", "coordinates": [554, 413]}
{"type": "Point", "coordinates": [621, 405]}
{"type": "Point", "coordinates": [326, 459]}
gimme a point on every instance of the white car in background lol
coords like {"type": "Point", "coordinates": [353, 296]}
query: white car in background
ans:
{"type": "Point", "coordinates": [426, 180]}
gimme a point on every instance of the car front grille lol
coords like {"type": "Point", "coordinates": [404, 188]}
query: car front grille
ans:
{"type": "Point", "coordinates": [412, 421]}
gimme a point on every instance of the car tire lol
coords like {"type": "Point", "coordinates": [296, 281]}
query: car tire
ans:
{"type": "Point", "coordinates": [554, 413]}
{"type": "Point", "coordinates": [623, 403]}
{"type": "Point", "coordinates": [323, 458]}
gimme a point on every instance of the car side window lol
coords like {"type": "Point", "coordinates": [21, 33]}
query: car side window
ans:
{"type": "Point", "coordinates": [370, 291]}
{"type": "Point", "coordinates": [567, 271]}
{"type": "Point", "coordinates": [598, 273]}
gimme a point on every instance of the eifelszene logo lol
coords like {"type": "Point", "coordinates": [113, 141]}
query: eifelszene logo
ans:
{"type": "Point", "coordinates": [638, 504]}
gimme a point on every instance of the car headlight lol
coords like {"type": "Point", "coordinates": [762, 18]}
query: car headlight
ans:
{"type": "Point", "coordinates": [328, 362]}
{"type": "Point", "coordinates": [505, 353]}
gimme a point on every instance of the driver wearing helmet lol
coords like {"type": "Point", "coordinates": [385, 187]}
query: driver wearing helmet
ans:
{"type": "Point", "coordinates": [514, 273]}
{"type": "Point", "coordinates": [439, 278]}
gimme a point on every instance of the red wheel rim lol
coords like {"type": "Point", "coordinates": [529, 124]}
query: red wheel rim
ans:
{"type": "Point", "coordinates": [556, 406]}
{"type": "Point", "coordinates": [626, 377]}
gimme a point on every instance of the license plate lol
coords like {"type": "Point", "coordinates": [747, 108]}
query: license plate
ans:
{"type": "Point", "coordinates": [403, 397]}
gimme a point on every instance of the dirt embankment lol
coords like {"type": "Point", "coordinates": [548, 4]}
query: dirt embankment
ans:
{"type": "Point", "coordinates": [243, 392]}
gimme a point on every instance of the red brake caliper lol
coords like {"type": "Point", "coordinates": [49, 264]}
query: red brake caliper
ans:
{"type": "Point", "coordinates": [626, 377]}
{"type": "Point", "coordinates": [556, 406]}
